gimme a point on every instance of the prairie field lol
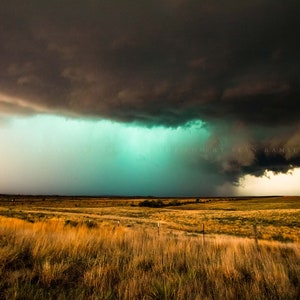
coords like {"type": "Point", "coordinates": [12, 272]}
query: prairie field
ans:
{"type": "Point", "coordinates": [145, 248]}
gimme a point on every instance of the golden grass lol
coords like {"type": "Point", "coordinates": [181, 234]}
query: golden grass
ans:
{"type": "Point", "coordinates": [276, 218]}
{"type": "Point", "coordinates": [55, 259]}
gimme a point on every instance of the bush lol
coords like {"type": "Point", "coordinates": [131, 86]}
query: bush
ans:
{"type": "Point", "coordinates": [71, 223]}
{"type": "Point", "coordinates": [90, 224]}
{"type": "Point", "coordinates": [151, 203]}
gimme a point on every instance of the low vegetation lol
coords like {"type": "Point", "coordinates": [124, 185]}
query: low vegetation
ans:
{"type": "Point", "coordinates": [54, 259]}
{"type": "Point", "coordinates": [196, 248]}
{"type": "Point", "coordinates": [276, 218]}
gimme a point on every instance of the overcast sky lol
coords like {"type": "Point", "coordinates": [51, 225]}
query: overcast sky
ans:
{"type": "Point", "coordinates": [167, 97]}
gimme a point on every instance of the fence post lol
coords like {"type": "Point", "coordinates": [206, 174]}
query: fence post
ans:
{"type": "Point", "coordinates": [158, 225]}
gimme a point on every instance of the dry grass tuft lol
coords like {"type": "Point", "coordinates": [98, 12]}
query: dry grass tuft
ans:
{"type": "Point", "coordinates": [51, 260]}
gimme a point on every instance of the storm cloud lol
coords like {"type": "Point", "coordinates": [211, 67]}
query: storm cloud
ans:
{"type": "Point", "coordinates": [232, 64]}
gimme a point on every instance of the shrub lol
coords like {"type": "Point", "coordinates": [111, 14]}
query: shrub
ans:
{"type": "Point", "coordinates": [151, 203]}
{"type": "Point", "coordinates": [90, 224]}
{"type": "Point", "coordinates": [71, 223]}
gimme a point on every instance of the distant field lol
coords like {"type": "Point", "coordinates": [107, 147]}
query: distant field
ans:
{"type": "Point", "coordinates": [276, 218]}
{"type": "Point", "coordinates": [113, 249]}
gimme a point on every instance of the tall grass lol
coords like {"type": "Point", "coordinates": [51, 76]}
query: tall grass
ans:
{"type": "Point", "coordinates": [53, 260]}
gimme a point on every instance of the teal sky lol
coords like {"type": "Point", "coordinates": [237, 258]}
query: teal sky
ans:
{"type": "Point", "coordinates": [57, 155]}
{"type": "Point", "coordinates": [48, 154]}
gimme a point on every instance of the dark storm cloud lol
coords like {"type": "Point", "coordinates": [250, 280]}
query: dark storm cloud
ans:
{"type": "Point", "coordinates": [257, 150]}
{"type": "Point", "coordinates": [156, 62]}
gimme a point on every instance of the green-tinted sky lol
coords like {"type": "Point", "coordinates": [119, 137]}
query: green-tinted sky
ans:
{"type": "Point", "coordinates": [49, 154]}
{"type": "Point", "coordinates": [57, 155]}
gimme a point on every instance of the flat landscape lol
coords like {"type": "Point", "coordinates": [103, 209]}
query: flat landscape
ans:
{"type": "Point", "coordinates": [276, 218]}
{"type": "Point", "coordinates": [54, 247]}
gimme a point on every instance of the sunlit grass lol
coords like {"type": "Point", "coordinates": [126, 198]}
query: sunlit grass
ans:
{"type": "Point", "coordinates": [276, 218]}
{"type": "Point", "coordinates": [54, 259]}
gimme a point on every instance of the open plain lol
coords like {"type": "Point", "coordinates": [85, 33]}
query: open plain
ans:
{"type": "Point", "coordinates": [149, 248]}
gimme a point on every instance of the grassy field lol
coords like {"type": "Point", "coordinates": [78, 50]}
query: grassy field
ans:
{"type": "Point", "coordinates": [89, 248]}
{"type": "Point", "coordinates": [276, 218]}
